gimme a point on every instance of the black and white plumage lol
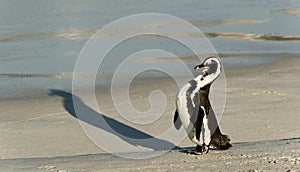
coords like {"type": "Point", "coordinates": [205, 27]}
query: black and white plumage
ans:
{"type": "Point", "coordinates": [195, 112]}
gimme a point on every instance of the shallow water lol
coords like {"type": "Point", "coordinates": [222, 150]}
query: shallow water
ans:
{"type": "Point", "coordinates": [41, 40]}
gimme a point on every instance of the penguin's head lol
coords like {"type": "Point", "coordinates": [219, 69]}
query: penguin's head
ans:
{"type": "Point", "coordinates": [211, 67]}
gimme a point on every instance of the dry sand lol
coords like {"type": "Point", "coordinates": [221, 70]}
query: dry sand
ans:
{"type": "Point", "coordinates": [261, 117]}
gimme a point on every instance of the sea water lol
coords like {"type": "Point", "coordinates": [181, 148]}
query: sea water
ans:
{"type": "Point", "coordinates": [40, 40]}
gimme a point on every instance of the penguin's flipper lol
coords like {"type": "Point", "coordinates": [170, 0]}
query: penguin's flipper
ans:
{"type": "Point", "coordinates": [176, 121]}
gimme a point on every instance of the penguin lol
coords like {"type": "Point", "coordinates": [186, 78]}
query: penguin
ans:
{"type": "Point", "coordinates": [194, 112]}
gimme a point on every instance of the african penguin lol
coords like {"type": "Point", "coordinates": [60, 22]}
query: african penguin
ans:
{"type": "Point", "coordinates": [194, 110]}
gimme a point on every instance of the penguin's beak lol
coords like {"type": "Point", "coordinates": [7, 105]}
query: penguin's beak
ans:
{"type": "Point", "coordinates": [199, 66]}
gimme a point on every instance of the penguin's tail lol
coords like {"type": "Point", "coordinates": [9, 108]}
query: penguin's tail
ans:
{"type": "Point", "coordinates": [219, 140]}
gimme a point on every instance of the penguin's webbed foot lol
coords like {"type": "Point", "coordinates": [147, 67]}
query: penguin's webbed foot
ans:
{"type": "Point", "coordinates": [200, 150]}
{"type": "Point", "coordinates": [205, 149]}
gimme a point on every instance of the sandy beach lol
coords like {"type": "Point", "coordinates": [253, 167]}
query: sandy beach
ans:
{"type": "Point", "coordinates": [261, 117]}
{"type": "Point", "coordinates": [44, 44]}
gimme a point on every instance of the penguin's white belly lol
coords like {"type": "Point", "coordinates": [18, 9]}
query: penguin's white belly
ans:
{"type": "Point", "coordinates": [187, 103]}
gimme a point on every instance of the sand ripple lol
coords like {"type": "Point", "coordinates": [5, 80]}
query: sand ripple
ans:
{"type": "Point", "coordinates": [248, 36]}
{"type": "Point", "coordinates": [291, 11]}
{"type": "Point", "coordinates": [20, 75]}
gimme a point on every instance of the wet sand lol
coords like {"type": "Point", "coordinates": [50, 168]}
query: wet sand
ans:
{"type": "Point", "coordinates": [261, 117]}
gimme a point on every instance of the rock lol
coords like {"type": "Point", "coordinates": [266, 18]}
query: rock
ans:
{"type": "Point", "coordinates": [228, 163]}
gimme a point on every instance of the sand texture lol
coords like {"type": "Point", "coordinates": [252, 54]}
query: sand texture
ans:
{"type": "Point", "coordinates": [261, 117]}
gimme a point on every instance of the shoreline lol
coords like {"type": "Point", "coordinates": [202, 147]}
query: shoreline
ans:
{"type": "Point", "coordinates": [239, 61]}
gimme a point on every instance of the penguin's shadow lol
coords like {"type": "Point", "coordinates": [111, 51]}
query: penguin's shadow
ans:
{"type": "Point", "coordinates": [127, 133]}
